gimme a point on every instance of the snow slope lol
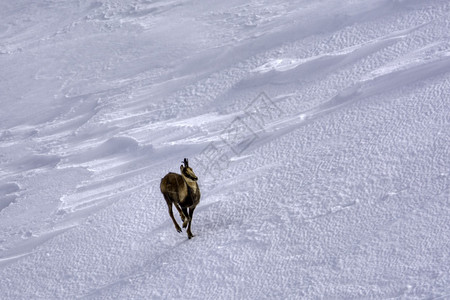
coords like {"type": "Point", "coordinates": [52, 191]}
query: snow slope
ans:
{"type": "Point", "coordinates": [319, 131]}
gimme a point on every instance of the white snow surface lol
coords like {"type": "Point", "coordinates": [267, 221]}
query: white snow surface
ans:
{"type": "Point", "coordinates": [319, 131]}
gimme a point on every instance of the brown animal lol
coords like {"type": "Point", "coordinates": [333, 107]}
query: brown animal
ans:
{"type": "Point", "coordinates": [183, 192]}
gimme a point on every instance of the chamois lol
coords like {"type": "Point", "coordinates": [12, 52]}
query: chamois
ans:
{"type": "Point", "coordinates": [183, 192]}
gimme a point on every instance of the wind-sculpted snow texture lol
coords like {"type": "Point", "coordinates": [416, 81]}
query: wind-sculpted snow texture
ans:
{"type": "Point", "coordinates": [319, 131]}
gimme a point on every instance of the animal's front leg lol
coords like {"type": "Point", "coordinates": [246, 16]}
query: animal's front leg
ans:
{"type": "Point", "coordinates": [191, 213]}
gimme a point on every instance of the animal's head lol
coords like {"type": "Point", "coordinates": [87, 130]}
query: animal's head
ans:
{"type": "Point", "coordinates": [187, 171]}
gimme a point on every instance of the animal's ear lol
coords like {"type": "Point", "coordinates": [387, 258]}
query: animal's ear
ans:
{"type": "Point", "coordinates": [181, 168]}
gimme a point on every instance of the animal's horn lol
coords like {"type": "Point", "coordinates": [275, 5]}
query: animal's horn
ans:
{"type": "Point", "coordinates": [186, 163]}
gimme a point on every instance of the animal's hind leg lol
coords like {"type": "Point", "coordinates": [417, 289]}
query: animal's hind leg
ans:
{"type": "Point", "coordinates": [169, 204]}
{"type": "Point", "coordinates": [187, 219]}
{"type": "Point", "coordinates": [183, 216]}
